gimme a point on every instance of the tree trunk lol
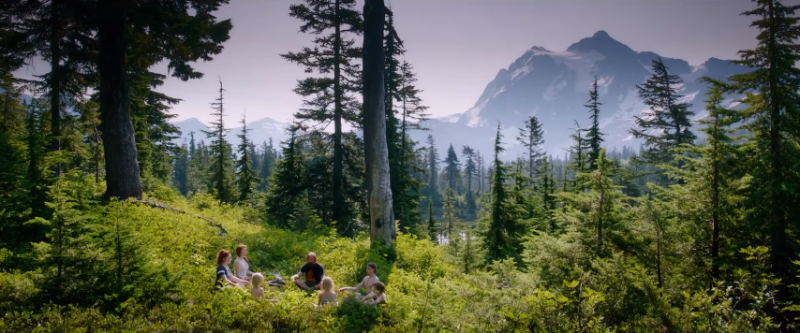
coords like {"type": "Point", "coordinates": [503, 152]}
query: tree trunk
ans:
{"type": "Point", "coordinates": [338, 197]}
{"type": "Point", "coordinates": [381, 217]}
{"type": "Point", "coordinates": [7, 109]}
{"type": "Point", "coordinates": [119, 142]}
{"type": "Point", "coordinates": [55, 83]}
{"type": "Point", "coordinates": [96, 151]}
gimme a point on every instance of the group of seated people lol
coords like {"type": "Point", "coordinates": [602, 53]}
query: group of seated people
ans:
{"type": "Point", "coordinates": [310, 277]}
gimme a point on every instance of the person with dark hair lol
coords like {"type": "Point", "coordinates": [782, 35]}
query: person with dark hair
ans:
{"type": "Point", "coordinates": [224, 276]}
{"type": "Point", "coordinates": [378, 296]}
{"type": "Point", "coordinates": [241, 267]}
{"type": "Point", "coordinates": [368, 282]}
{"type": "Point", "coordinates": [313, 272]}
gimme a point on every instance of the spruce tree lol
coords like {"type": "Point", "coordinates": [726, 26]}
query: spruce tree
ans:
{"type": "Point", "coordinates": [531, 137]}
{"type": "Point", "coordinates": [666, 123]}
{"type": "Point", "coordinates": [578, 153]}
{"type": "Point", "coordinates": [547, 192]}
{"type": "Point", "coordinates": [245, 175]}
{"type": "Point", "coordinates": [448, 212]}
{"type": "Point", "coordinates": [221, 165]}
{"type": "Point", "coordinates": [594, 137]}
{"type": "Point", "coordinates": [332, 22]}
{"type": "Point", "coordinates": [452, 170]}
{"type": "Point", "coordinates": [773, 117]}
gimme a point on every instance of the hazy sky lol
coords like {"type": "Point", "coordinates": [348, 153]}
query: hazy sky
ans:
{"type": "Point", "coordinates": [456, 46]}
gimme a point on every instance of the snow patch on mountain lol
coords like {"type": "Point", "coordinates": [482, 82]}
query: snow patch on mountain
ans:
{"type": "Point", "coordinates": [451, 118]}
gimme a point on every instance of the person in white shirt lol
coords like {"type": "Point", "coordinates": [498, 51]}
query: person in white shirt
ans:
{"type": "Point", "coordinates": [241, 267]}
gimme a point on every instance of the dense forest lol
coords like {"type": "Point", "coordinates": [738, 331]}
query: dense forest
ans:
{"type": "Point", "coordinates": [107, 225]}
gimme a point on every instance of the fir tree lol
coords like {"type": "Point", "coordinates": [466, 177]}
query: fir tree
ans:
{"type": "Point", "coordinates": [331, 21]}
{"type": "Point", "coordinates": [433, 171]}
{"type": "Point", "coordinates": [546, 191]}
{"type": "Point", "coordinates": [287, 183]}
{"type": "Point", "coordinates": [221, 165]}
{"type": "Point", "coordinates": [666, 124]}
{"type": "Point", "coordinates": [267, 164]}
{"type": "Point", "coordinates": [452, 170]}
{"type": "Point", "coordinates": [578, 153]}
{"type": "Point", "coordinates": [531, 137]}
{"type": "Point", "coordinates": [773, 117]}
{"type": "Point", "coordinates": [181, 171]}
{"type": "Point", "coordinates": [448, 212]}
{"type": "Point", "coordinates": [245, 175]}
{"type": "Point", "coordinates": [594, 137]}
{"type": "Point", "coordinates": [502, 233]}
{"type": "Point", "coordinates": [431, 222]}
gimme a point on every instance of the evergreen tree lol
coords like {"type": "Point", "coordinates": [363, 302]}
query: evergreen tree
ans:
{"type": "Point", "coordinates": [221, 165]}
{"type": "Point", "coordinates": [35, 179]}
{"type": "Point", "coordinates": [331, 21]}
{"type": "Point", "coordinates": [531, 137]}
{"type": "Point", "coordinates": [449, 212]}
{"type": "Point", "coordinates": [267, 164]}
{"type": "Point", "coordinates": [666, 124]}
{"type": "Point", "coordinates": [287, 183]}
{"type": "Point", "coordinates": [578, 153]}
{"type": "Point", "coordinates": [503, 232]}
{"type": "Point", "coordinates": [431, 222]}
{"type": "Point", "coordinates": [245, 175]}
{"type": "Point", "coordinates": [433, 171]}
{"type": "Point", "coordinates": [452, 171]}
{"type": "Point", "coordinates": [180, 34]}
{"type": "Point", "coordinates": [547, 190]}
{"type": "Point", "coordinates": [181, 171]}
{"type": "Point", "coordinates": [773, 117]}
{"type": "Point", "coordinates": [594, 137]}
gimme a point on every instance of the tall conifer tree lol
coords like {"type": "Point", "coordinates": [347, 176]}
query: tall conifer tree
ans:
{"type": "Point", "coordinates": [594, 137]}
{"type": "Point", "coordinates": [221, 165]}
{"type": "Point", "coordinates": [245, 175]}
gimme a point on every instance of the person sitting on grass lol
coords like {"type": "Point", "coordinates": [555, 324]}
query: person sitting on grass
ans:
{"type": "Point", "coordinates": [327, 296]}
{"type": "Point", "coordinates": [368, 282]}
{"type": "Point", "coordinates": [241, 267]}
{"type": "Point", "coordinates": [378, 296]}
{"type": "Point", "coordinates": [313, 272]}
{"type": "Point", "coordinates": [257, 280]}
{"type": "Point", "coordinates": [224, 276]}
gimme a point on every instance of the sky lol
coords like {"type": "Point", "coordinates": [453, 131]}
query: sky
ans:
{"type": "Point", "coordinates": [456, 46]}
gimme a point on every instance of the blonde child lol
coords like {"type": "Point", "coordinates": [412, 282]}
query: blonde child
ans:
{"type": "Point", "coordinates": [257, 280]}
{"type": "Point", "coordinates": [328, 295]}
{"type": "Point", "coordinates": [377, 296]}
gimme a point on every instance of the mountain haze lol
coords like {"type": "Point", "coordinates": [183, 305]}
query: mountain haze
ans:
{"type": "Point", "coordinates": [554, 86]}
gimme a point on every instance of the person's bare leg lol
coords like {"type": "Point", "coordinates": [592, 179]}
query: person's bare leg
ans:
{"type": "Point", "coordinates": [300, 283]}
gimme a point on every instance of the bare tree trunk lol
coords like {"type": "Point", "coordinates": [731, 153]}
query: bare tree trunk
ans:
{"type": "Point", "coordinates": [119, 142]}
{"type": "Point", "coordinates": [381, 216]}
{"type": "Point", "coordinates": [338, 196]}
{"type": "Point", "coordinates": [55, 83]}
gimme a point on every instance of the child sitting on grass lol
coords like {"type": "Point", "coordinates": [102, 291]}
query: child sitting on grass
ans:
{"type": "Point", "coordinates": [256, 281]}
{"type": "Point", "coordinates": [378, 296]}
{"type": "Point", "coordinates": [327, 296]}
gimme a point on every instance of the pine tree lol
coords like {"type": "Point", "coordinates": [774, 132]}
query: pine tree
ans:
{"type": "Point", "coordinates": [594, 137]}
{"type": "Point", "coordinates": [666, 124]}
{"type": "Point", "coordinates": [245, 175]}
{"type": "Point", "coordinates": [502, 233]}
{"type": "Point", "coordinates": [221, 166]}
{"type": "Point", "coordinates": [331, 21]}
{"type": "Point", "coordinates": [773, 117]}
{"type": "Point", "coordinates": [35, 179]}
{"type": "Point", "coordinates": [531, 137]}
{"type": "Point", "coordinates": [546, 190]}
{"type": "Point", "coordinates": [452, 170]}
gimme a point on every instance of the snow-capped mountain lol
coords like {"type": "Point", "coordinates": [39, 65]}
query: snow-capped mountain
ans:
{"type": "Point", "coordinates": [259, 131]}
{"type": "Point", "coordinates": [554, 86]}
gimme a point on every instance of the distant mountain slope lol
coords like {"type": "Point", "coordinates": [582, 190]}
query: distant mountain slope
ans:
{"type": "Point", "coordinates": [259, 131]}
{"type": "Point", "coordinates": [555, 85]}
